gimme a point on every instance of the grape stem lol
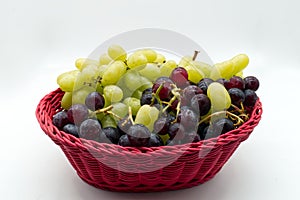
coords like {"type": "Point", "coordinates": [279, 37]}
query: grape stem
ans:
{"type": "Point", "coordinates": [130, 115]}
{"type": "Point", "coordinates": [239, 120]}
{"type": "Point", "coordinates": [195, 55]}
{"type": "Point", "coordinates": [107, 110]}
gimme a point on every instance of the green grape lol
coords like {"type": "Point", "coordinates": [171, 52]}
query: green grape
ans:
{"type": "Point", "coordinates": [116, 52]}
{"type": "Point", "coordinates": [79, 95]}
{"type": "Point", "coordinates": [134, 103]}
{"type": "Point", "coordinates": [240, 74]}
{"type": "Point", "coordinates": [113, 73]}
{"type": "Point", "coordinates": [222, 70]}
{"type": "Point", "coordinates": [66, 80]}
{"type": "Point", "coordinates": [108, 121]}
{"type": "Point", "coordinates": [219, 97]}
{"type": "Point", "coordinates": [88, 76]}
{"type": "Point", "coordinates": [151, 71]}
{"type": "Point", "coordinates": [147, 115]}
{"type": "Point", "coordinates": [160, 59]}
{"type": "Point", "coordinates": [137, 94]}
{"type": "Point", "coordinates": [167, 68]}
{"type": "Point", "coordinates": [185, 61]}
{"type": "Point", "coordinates": [132, 80]}
{"type": "Point", "coordinates": [105, 59]}
{"type": "Point", "coordinates": [112, 93]}
{"type": "Point", "coordinates": [194, 74]}
{"type": "Point", "coordinates": [204, 67]}
{"type": "Point", "coordinates": [150, 54]}
{"type": "Point", "coordinates": [136, 60]}
{"type": "Point", "coordinates": [66, 101]}
{"type": "Point", "coordinates": [102, 69]}
{"type": "Point", "coordinates": [240, 62]}
{"type": "Point", "coordinates": [81, 63]}
{"type": "Point", "coordinates": [120, 109]}
{"type": "Point", "coordinates": [145, 83]}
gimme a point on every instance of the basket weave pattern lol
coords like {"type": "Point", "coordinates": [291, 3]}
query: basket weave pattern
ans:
{"type": "Point", "coordinates": [128, 169]}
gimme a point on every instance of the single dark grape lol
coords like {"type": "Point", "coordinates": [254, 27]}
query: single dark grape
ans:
{"type": "Point", "coordinates": [146, 99]}
{"type": "Point", "coordinates": [161, 126]}
{"type": "Point", "coordinates": [190, 91]}
{"type": "Point", "coordinates": [250, 98]}
{"type": "Point", "coordinates": [155, 141]}
{"type": "Point", "coordinates": [251, 83]}
{"type": "Point", "coordinates": [221, 81]}
{"type": "Point", "coordinates": [78, 113]}
{"type": "Point", "coordinates": [124, 141]}
{"type": "Point", "coordinates": [201, 104]}
{"type": "Point", "coordinates": [204, 83]}
{"type": "Point", "coordinates": [60, 119]}
{"type": "Point", "coordinates": [188, 118]}
{"type": "Point", "coordinates": [176, 130]}
{"type": "Point", "coordinates": [138, 135]}
{"type": "Point", "coordinates": [223, 125]}
{"type": "Point", "coordinates": [110, 135]}
{"type": "Point", "coordinates": [237, 96]}
{"type": "Point", "coordinates": [179, 76]}
{"type": "Point", "coordinates": [148, 90]}
{"type": "Point", "coordinates": [191, 137]}
{"type": "Point", "coordinates": [235, 82]}
{"type": "Point", "coordinates": [202, 129]}
{"type": "Point", "coordinates": [71, 129]}
{"type": "Point", "coordinates": [166, 87]}
{"type": "Point", "coordinates": [124, 124]}
{"type": "Point", "coordinates": [90, 129]}
{"type": "Point", "coordinates": [94, 101]}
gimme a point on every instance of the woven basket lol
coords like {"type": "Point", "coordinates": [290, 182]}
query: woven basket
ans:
{"type": "Point", "coordinates": [127, 169]}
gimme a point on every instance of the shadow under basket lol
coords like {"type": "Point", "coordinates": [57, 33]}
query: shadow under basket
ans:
{"type": "Point", "coordinates": [128, 169]}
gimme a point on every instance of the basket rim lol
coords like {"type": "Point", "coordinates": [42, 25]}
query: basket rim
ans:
{"type": "Point", "coordinates": [62, 138]}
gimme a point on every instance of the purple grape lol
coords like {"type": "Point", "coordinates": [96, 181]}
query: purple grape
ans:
{"type": "Point", "coordinates": [188, 118]}
{"type": "Point", "coordinates": [60, 119]}
{"type": "Point", "coordinates": [189, 92]}
{"type": "Point", "coordinates": [235, 82]}
{"type": "Point", "coordinates": [251, 83]}
{"type": "Point", "coordinates": [204, 83]}
{"type": "Point", "coordinates": [161, 126]}
{"type": "Point", "coordinates": [124, 124]}
{"type": "Point", "coordinates": [250, 98]}
{"type": "Point", "coordinates": [155, 141]}
{"type": "Point", "coordinates": [110, 135]}
{"type": "Point", "coordinates": [78, 113]}
{"type": "Point", "coordinates": [90, 129]}
{"type": "Point", "coordinates": [124, 141]}
{"type": "Point", "coordinates": [177, 131]}
{"type": "Point", "coordinates": [165, 92]}
{"type": "Point", "coordinates": [71, 129]}
{"type": "Point", "coordinates": [94, 101]}
{"type": "Point", "coordinates": [179, 76]}
{"type": "Point", "coordinates": [139, 135]}
{"type": "Point", "coordinates": [237, 96]}
{"type": "Point", "coordinates": [201, 104]}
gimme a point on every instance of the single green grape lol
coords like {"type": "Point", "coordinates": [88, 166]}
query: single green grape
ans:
{"type": "Point", "coordinates": [66, 80]}
{"type": "Point", "coordinates": [147, 115]}
{"type": "Point", "coordinates": [185, 61]}
{"type": "Point", "coordinates": [136, 60]}
{"type": "Point", "coordinates": [203, 67]}
{"type": "Point", "coordinates": [134, 103]}
{"type": "Point", "coordinates": [167, 68]}
{"type": "Point", "coordinates": [219, 97]}
{"type": "Point", "coordinates": [81, 63]}
{"type": "Point", "coordinates": [150, 54]}
{"type": "Point", "coordinates": [112, 93]}
{"type": "Point", "coordinates": [160, 59]}
{"type": "Point", "coordinates": [132, 80]}
{"type": "Point", "coordinates": [222, 70]}
{"type": "Point", "coordinates": [240, 62]}
{"type": "Point", "coordinates": [113, 73]}
{"type": "Point", "coordinates": [194, 74]}
{"type": "Point", "coordinates": [120, 109]}
{"type": "Point", "coordinates": [108, 121]}
{"type": "Point", "coordinates": [116, 52]}
{"type": "Point", "coordinates": [105, 59]}
{"type": "Point", "coordinates": [151, 71]}
{"type": "Point", "coordinates": [66, 101]}
{"type": "Point", "coordinates": [88, 76]}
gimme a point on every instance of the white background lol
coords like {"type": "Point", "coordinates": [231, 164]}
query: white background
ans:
{"type": "Point", "coordinates": [41, 39]}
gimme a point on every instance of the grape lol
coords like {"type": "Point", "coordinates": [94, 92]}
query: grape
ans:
{"type": "Point", "coordinates": [237, 96]}
{"type": "Point", "coordinates": [79, 95]}
{"type": "Point", "coordinates": [94, 101]}
{"type": "Point", "coordinates": [132, 80]}
{"type": "Point", "coordinates": [71, 129]}
{"type": "Point", "coordinates": [146, 99]}
{"type": "Point", "coordinates": [191, 137]}
{"type": "Point", "coordinates": [105, 59]}
{"type": "Point", "coordinates": [219, 97]}
{"type": "Point", "coordinates": [78, 113]}
{"type": "Point", "coordinates": [160, 59]}
{"type": "Point", "coordinates": [194, 74]}
{"type": "Point", "coordinates": [110, 135]}
{"type": "Point", "coordinates": [222, 70]}
{"type": "Point", "coordinates": [88, 76]}
{"type": "Point", "coordinates": [189, 92]}
{"type": "Point", "coordinates": [185, 61]}
{"type": "Point", "coordinates": [66, 80]}
{"type": "Point", "coordinates": [134, 103]}
{"type": "Point", "coordinates": [166, 89]}
{"type": "Point", "coordinates": [139, 135]}
{"type": "Point", "coordinates": [151, 71]}
{"type": "Point", "coordinates": [124, 141]}
{"type": "Point", "coordinates": [155, 141]}
{"type": "Point", "coordinates": [120, 109]}
{"type": "Point", "coordinates": [113, 73]}
{"type": "Point", "coordinates": [161, 126]}
{"type": "Point", "coordinates": [188, 118]}
{"type": "Point", "coordinates": [66, 101]}
{"type": "Point", "coordinates": [90, 129]}
{"type": "Point", "coordinates": [124, 124]}
{"type": "Point", "coordinates": [240, 62]}
{"type": "Point", "coordinates": [150, 54]}
{"type": "Point", "coordinates": [107, 121]}
{"type": "Point", "coordinates": [221, 80]}
{"type": "Point", "coordinates": [60, 119]}
{"type": "Point", "coordinates": [250, 98]}
{"type": "Point", "coordinates": [147, 115]}
{"type": "Point", "coordinates": [81, 63]}
{"type": "Point", "coordinates": [235, 82]}
{"type": "Point", "coordinates": [102, 69]}
{"type": "Point", "coordinates": [201, 104]}
{"type": "Point", "coordinates": [201, 131]}
{"type": "Point", "coordinates": [251, 83]}
{"type": "Point", "coordinates": [136, 60]}
{"type": "Point", "coordinates": [180, 77]}
{"type": "Point", "coordinates": [116, 52]}
{"type": "Point", "coordinates": [240, 74]}
{"type": "Point", "coordinates": [167, 68]}
{"type": "Point", "coordinates": [113, 93]}
{"type": "Point", "coordinates": [204, 83]}
{"type": "Point", "coordinates": [222, 126]}
{"type": "Point", "coordinates": [176, 131]}
{"type": "Point", "coordinates": [201, 66]}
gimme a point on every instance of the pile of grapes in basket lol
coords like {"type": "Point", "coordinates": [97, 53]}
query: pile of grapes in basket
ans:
{"type": "Point", "coordinates": [144, 100]}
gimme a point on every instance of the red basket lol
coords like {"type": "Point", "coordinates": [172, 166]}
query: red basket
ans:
{"type": "Point", "coordinates": [127, 169]}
